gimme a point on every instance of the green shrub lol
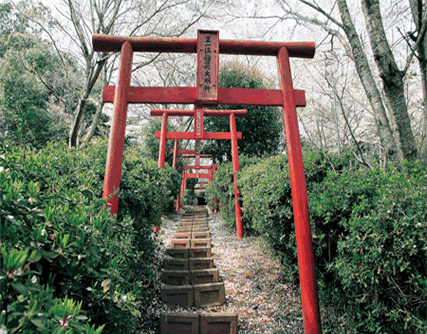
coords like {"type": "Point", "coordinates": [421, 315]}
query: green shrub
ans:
{"type": "Point", "coordinates": [61, 247]}
{"type": "Point", "coordinates": [267, 201]}
{"type": "Point", "coordinates": [222, 187]}
{"type": "Point", "coordinates": [381, 262]}
{"type": "Point", "coordinates": [369, 235]}
{"type": "Point", "coordinates": [189, 197]}
{"type": "Point", "coordinates": [146, 193]}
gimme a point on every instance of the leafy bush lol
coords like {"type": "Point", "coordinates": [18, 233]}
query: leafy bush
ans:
{"type": "Point", "coordinates": [222, 187]}
{"type": "Point", "coordinates": [267, 201]}
{"type": "Point", "coordinates": [146, 191]}
{"type": "Point", "coordinates": [369, 234]}
{"type": "Point", "coordinates": [65, 261]}
{"type": "Point", "coordinates": [381, 262]}
{"type": "Point", "coordinates": [189, 197]}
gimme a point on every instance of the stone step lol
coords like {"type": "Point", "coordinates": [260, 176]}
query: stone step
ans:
{"type": "Point", "coordinates": [218, 323]}
{"type": "Point", "coordinates": [179, 323]}
{"type": "Point", "coordinates": [176, 277]}
{"type": "Point", "coordinates": [178, 295]}
{"type": "Point", "coordinates": [200, 243]}
{"type": "Point", "coordinates": [188, 264]}
{"type": "Point", "coordinates": [180, 243]}
{"type": "Point", "coordinates": [189, 277]}
{"type": "Point", "coordinates": [209, 294]}
{"type": "Point", "coordinates": [204, 276]}
{"type": "Point", "coordinates": [199, 295]}
{"type": "Point", "coordinates": [200, 229]}
{"type": "Point", "coordinates": [197, 252]}
{"type": "Point", "coordinates": [192, 235]}
{"type": "Point", "coordinates": [179, 253]}
{"type": "Point", "coordinates": [185, 253]}
{"type": "Point", "coordinates": [192, 224]}
{"type": "Point", "coordinates": [185, 223]}
{"type": "Point", "coordinates": [200, 225]}
{"type": "Point", "coordinates": [204, 323]}
{"type": "Point", "coordinates": [200, 263]}
{"type": "Point", "coordinates": [184, 230]}
{"type": "Point", "coordinates": [176, 264]}
{"type": "Point", "coordinates": [201, 235]}
{"type": "Point", "coordinates": [181, 235]}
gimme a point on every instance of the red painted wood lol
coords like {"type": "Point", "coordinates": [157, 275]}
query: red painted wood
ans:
{"type": "Point", "coordinates": [235, 159]}
{"type": "Point", "coordinates": [190, 113]}
{"type": "Point", "coordinates": [175, 153]}
{"type": "Point", "coordinates": [210, 175]}
{"type": "Point", "coordinates": [307, 269]}
{"type": "Point", "coordinates": [206, 135]}
{"type": "Point", "coordinates": [106, 43]}
{"type": "Point", "coordinates": [178, 202]}
{"type": "Point", "coordinates": [188, 95]}
{"type": "Point", "coordinates": [162, 145]}
{"type": "Point", "coordinates": [181, 191]}
{"type": "Point", "coordinates": [194, 155]}
{"type": "Point", "coordinates": [200, 176]}
{"type": "Point", "coordinates": [113, 168]}
{"type": "Point", "coordinates": [200, 167]}
{"type": "Point", "coordinates": [184, 151]}
{"type": "Point", "coordinates": [214, 168]}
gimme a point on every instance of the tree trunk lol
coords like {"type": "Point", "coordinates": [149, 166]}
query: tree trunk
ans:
{"type": "Point", "coordinates": [392, 79]}
{"type": "Point", "coordinates": [93, 126]}
{"type": "Point", "coordinates": [74, 131]}
{"type": "Point", "coordinates": [423, 70]}
{"type": "Point", "coordinates": [418, 12]}
{"type": "Point", "coordinates": [92, 129]}
{"type": "Point", "coordinates": [362, 66]}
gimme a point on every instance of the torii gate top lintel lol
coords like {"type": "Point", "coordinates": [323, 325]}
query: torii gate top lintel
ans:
{"type": "Point", "coordinates": [107, 43]}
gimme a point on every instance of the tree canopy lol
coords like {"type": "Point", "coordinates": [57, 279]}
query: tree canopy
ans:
{"type": "Point", "coordinates": [262, 128]}
{"type": "Point", "coordinates": [31, 84]}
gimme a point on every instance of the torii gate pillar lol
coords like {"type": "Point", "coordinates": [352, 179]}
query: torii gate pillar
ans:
{"type": "Point", "coordinates": [113, 168]}
{"type": "Point", "coordinates": [235, 155]}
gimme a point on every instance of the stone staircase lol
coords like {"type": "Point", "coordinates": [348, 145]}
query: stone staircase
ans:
{"type": "Point", "coordinates": [193, 280]}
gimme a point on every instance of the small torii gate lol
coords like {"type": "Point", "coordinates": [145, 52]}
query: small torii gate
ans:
{"type": "Point", "coordinates": [188, 154]}
{"type": "Point", "coordinates": [208, 46]}
{"type": "Point", "coordinates": [186, 175]}
{"type": "Point", "coordinates": [200, 134]}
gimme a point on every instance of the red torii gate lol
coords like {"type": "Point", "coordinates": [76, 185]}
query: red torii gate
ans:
{"type": "Point", "coordinates": [186, 154]}
{"type": "Point", "coordinates": [186, 175]}
{"type": "Point", "coordinates": [208, 46]}
{"type": "Point", "coordinates": [191, 154]}
{"type": "Point", "coordinates": [200, 134]}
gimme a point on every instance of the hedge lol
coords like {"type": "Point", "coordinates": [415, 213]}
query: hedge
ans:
{"type": "Point", "coordinates": [67, 265]}
{"type": "Point", "coordinates": [222, 187]}
{"type": "Point", "coordinates": [369, 235]}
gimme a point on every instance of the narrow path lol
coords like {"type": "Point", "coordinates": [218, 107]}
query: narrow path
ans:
{"type": "Point", "coordinates": [252, 283]}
